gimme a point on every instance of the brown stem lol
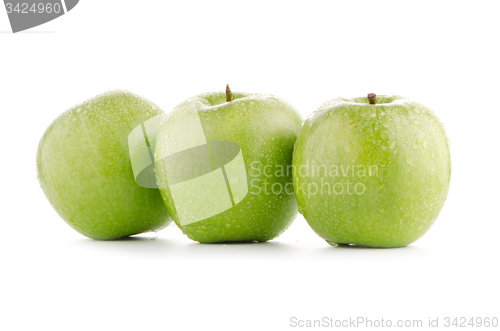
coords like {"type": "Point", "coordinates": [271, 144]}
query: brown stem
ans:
{"type": "Point", "coordinates": [372, 97]}
{"type": "Point", "coordinates": [229, 95]}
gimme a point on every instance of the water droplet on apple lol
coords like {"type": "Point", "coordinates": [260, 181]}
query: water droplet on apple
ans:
{"type": "Point", "coordinates": [424, 144]}
{"type": "Point", "coordinates": [416, 122]}
{"type": "Point", "coordinates": [409, 161]}
{"type": "Point", "coordinates": [392, 145]}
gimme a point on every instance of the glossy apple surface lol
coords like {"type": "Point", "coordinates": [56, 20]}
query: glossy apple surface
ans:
{"type": "Point", "coordinates": [371, 175]}
{"type": "Point", "coordinates": [217, 163]}
{"type": "Point", "coordinates": [84, 168]}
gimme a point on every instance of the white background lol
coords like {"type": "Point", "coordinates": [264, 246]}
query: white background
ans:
{"type": "Point", "coordinates": [445, 55]}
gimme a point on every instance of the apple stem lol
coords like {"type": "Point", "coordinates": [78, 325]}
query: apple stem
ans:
{"type": "Point", "coordinates": [229, 95]}
{"type": "Point", "coordinates": [372, 97]}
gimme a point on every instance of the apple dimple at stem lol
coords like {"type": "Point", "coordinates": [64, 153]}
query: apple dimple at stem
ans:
{"type": "Point", "coordinates": [374, 99]}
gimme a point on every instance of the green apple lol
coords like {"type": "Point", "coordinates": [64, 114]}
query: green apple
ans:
{"type": "Point", "coordinates": [371, 171]}
{"type": "Point", "coordinates": [223, 165]}
{"type": "Point", "coordinates": [85, 171]}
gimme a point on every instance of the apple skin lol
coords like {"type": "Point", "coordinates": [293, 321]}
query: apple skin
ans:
{"type": "Point", "coordinates": [84, 168]}
{"type": "Point", "coordinates": [401, 201]}
{"type": "Point", "coordinates": [265, 127]}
